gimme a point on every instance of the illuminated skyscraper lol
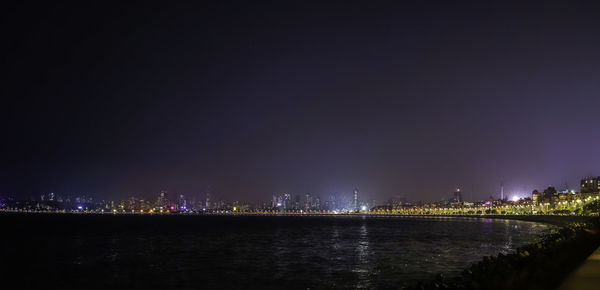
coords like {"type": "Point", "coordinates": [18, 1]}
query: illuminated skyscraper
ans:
{"type": "Point", "coordinates": [162, 199]}
{"type": "Point", "coordinates": [297, 204]}
{"type": "Point", "coordinates": [333, 202]}
{"type": "Point", "coordinates": [286, 201]}
{"type": "Point", "coordinates": [207, 204]}
{"type": "Point", "coordinates": [458, 196]}
{"type": "Point", "coordinates": [181, 202]}
{"type": "Point", "coordinates": [309, 202]}
{"type": "Point", "coordinates": [355, 200]}
{"type": "Point", "coordinates": [590, 185]}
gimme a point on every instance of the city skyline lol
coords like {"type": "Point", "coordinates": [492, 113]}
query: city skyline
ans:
{"type": "Point", "coordinates": [547, 201]}
{"type": "Point", "coordinates": [500, 192]}
{"type": "Point", "coordinates": [351, 198]}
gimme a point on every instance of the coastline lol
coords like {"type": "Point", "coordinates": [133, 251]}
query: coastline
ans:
{"type": "Point", "coordinates": [546, 264]}
{"type": "Point", "coordinates": [557, 220]}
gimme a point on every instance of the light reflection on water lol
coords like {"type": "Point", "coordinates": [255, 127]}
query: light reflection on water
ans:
{"type": "Point", "coordinates": [281, 252]}
{"type": "Point", "coordinates": [363, 266]}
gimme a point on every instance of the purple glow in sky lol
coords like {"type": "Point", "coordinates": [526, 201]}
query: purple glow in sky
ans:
{"type": "Point", "coordinates": [255, 99]}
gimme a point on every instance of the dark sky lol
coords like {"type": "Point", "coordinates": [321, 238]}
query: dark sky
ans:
{"type": "Point", "coordinates": [251, 99]}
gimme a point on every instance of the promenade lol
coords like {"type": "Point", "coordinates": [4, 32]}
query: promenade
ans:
{"type": "Point", "coordinates": [587, 276]}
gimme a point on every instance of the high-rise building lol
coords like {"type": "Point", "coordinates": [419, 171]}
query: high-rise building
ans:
{"type": "Point", "coordinates": [308, 204]}
{"type": "Point", "coordinates": [535, 196]}
{"type": "Point", "coordinates": [458, 196]}
{"type": "Point", "coordinates": [590, 185]}
{"type": "Point", "coordinates": [333, 202]}
{"type": "Point", "coordinates": [162, 199]}
{"type": "Point", "coordinates": [207, 204]}
{"type": "Point", "coordinates": [287, 201]}
{"type": "Point", "coordinates": [182, 203]}
{"type": "Point", "coordinates": [355, 200]}
{"type": "Point", "coordinates": [296, 203]}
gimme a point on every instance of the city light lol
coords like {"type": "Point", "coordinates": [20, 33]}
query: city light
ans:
{"type": "Point", "coordinates": [546, 202]}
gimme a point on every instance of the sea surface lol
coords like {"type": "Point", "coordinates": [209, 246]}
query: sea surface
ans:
{"type": "Point", "coordinates": [231, 252]}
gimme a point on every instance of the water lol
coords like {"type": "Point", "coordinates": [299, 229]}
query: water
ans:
{"type": "Point", "coordinates": [225, 252]}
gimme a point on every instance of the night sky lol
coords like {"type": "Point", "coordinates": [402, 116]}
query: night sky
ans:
{"type": "Point", "coordinates": [251, 99]}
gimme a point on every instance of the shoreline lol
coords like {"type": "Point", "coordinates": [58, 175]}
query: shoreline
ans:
{"type": "Point", "coordinates": [557, 220]}
{"type": "Point", "coordinates": [545, 264]}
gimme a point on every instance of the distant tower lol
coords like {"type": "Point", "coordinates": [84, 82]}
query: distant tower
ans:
{"type": "Point", "coordinates": [287, 201]}
{"type": "Point", "coordinates": [162, 199]}
{"type": "Point", "coordinates": [309, 202]}
{"type": "Point", "coordinates": [355, 200]}
{"type": "Point", "coordinates": [182, 203]}
{"type": "Point", "coordinates": [458, 196]}
{"type": "Point", "coordinates": [207, 204]}
{"type": "Point", "coordinates": [501, 190]}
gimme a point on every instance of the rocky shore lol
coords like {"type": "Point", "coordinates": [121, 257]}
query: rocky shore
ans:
{"type": "Point", "coordinates": [557, 220]}
{"type": "Point", "coordinates": [542, 265]}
